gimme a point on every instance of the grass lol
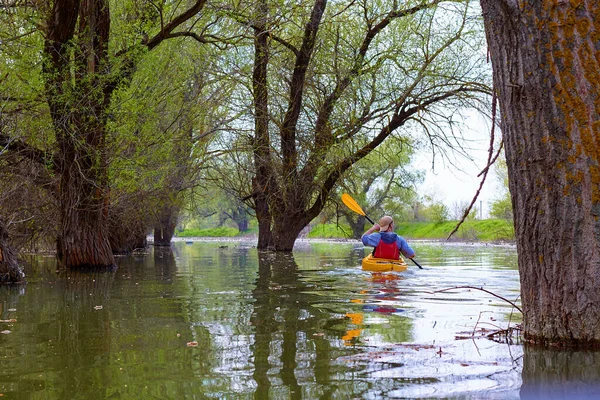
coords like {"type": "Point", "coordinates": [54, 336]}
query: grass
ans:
{"type": "Point", "coordinates": [330, 231]}
{"type": "Point", "coordinates": [484, 230]}
{"type": "Point", "coordinates": [487, 230]}
{"type": "Point", "coordinates": [210, 232]}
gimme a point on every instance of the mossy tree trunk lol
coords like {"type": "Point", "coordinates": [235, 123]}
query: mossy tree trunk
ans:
{"type": "Point", "coordinates": [547, 73]}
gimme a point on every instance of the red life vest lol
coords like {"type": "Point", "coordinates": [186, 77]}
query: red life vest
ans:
{"type": "Point", "coordinates": [387, 250]}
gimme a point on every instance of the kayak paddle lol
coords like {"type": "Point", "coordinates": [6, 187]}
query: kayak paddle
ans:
{"type": "Point", "coordinates": [353, 205]}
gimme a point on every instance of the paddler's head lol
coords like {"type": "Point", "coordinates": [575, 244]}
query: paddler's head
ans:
{"type": "Point", "coordinates": [386, 224]}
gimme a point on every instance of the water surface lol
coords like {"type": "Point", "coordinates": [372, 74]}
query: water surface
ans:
{"type": "Point", "coordinates": [223, 320]}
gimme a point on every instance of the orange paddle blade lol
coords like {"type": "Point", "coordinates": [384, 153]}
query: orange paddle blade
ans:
{"type": "Point", "coordinates": [352, 204]}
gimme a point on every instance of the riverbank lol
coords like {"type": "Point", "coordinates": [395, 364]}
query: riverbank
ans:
{"type": "Point", "coordinates": [251, 240]}
{"type": "Point", "coordinates": [489, 231]}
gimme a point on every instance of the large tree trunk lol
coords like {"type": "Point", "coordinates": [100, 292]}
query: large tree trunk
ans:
{"type": "Point", "coordinates": [9, 268]}
{"type": "Point", "coordinates": [547, 74]}
{"type": "Point", "coordinates": [286, 229]}
{"type": "Point", "coordinates": [262, 183]}
{"type": "Point", "coordinates": [75, 67]}
{"type": "Point", "coordinates": [83, 238]}
{"type": "Point", "coordinates": [263, 216]}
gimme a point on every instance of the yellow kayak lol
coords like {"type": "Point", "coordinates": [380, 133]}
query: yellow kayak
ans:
{"type": "Point", "coordinates": [370, 263]}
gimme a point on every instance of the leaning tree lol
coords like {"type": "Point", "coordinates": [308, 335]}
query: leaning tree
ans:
{"type": "Point", "coordinates": [547, 73]}
{"type": "Point", "coordinates": [330, 82]}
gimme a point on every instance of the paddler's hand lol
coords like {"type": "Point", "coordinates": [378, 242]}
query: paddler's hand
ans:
{"type": "Point", "coordinates": [372, 229]}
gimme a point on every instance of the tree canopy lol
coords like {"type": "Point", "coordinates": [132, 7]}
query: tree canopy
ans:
{"type": "Point", "coordinates": [330, 82]}
{"type": "Point", "coordinates": [112, 110]}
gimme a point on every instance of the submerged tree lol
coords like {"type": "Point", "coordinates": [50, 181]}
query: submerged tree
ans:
{"type": "Point", "coordinates": [9, 267]}
{"type": "Point", "coordinates": [164, 121]}
{"type": "Point", "coordinates": [547, 71]}
{"type": "Point", "coordinates": [328, 94]}
{"type": "Point", "coordinates": [84, 61]}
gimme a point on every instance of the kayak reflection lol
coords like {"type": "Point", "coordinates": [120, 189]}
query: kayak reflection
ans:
{"type": "Point", "coordinates": [381, 299]}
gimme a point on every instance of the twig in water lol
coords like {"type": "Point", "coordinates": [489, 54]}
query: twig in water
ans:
{"type": "Point", "coordinates": [483, 290]}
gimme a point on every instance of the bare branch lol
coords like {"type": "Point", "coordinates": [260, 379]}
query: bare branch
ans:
{"type": "Point", "coordinates": [175, 23]}
{"type": "Point", "coordinates": [483, 290]}
{"type": "Point", "coordinates": [25, 150]}
{"type": "Point", "coordinates": [485, 171]}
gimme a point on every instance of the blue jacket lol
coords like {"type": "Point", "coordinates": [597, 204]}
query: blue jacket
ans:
{"type": "Point", "coordinates": [388, 237]}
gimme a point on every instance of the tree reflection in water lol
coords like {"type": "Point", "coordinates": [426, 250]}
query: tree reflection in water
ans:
{"type": "Point", "coordinates": [267, 325]}
{"type": "Point", "coordinates": [560, 374]}
{"type": "Point", "coordinates": [290, 347]}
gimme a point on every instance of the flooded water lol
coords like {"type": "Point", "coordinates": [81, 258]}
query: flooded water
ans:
{"type": "Point", "coordinates": [222, 320]}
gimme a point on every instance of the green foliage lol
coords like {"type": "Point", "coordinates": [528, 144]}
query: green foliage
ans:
{"type": "Point", "coordinates": [330, 231]}
{"type": "Point", "coordinates": [209, 232]}
{"type": "Point", "coordinates": [436, 212]}
{"type": "Point", "coordinates": [502, 208]}
{"type": "Point", "coordinates": [170, 98]}
{"type": "Point", "coordinates": [477, 230]}
{"type": "Point", "coordinates": [485, 230]}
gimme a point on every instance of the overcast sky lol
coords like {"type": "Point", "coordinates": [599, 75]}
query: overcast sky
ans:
{"type": "Point", "coordinates": [455, 185]}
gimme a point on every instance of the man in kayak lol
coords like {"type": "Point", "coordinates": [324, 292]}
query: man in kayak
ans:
{"type": "Point", "coordinates": [387, 244]}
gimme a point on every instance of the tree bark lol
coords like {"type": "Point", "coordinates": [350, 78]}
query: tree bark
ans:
{"type": "Point", "coordinates": [9, 267]}
{"type": "Point", "coordinates": [286, 230]}
{"type": "Point", "coordinates": [78, 109]}
{"type": "Point", "coordinates": [262, 183]}
{"type": "Point", "coordinates": [547, 73]}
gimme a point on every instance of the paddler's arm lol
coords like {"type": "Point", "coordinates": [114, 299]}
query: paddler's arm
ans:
{"type": "Point", "coordinates": [367, 239]}
{"type": "Point", "coordinates": [404, 247]}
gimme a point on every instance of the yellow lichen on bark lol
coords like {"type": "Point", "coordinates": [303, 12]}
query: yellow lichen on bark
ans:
{"type": "Point", "coordinates": [575, 64]}
{"type": "Point", "coordinates": [576, 3]}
